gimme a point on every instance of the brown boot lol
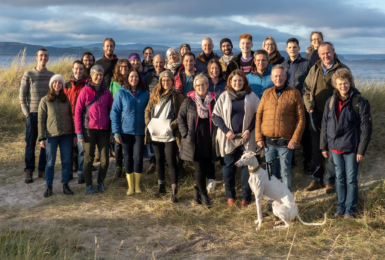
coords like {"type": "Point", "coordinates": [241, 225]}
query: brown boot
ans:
{"type": "Point", "coordinates": [231, 202]}
{"type": "Point", "coordinates": [314, 186]}
{"type": "Point", "coordinates": [330, 188]}
{"type": "Point", "coordinates": [28, 176]}
{"type": "Point", "coordinates": [41, 174]}
{"type": "Point", "coordinates": [245, 203]}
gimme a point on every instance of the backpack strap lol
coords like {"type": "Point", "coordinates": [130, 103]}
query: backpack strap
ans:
{"type": "Point", "coordinates": [331, 102]}
{"type": "Point", "coordinates": [93, 101]}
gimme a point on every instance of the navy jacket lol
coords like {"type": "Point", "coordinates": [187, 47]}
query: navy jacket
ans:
{"type": "Point", "coordinates": [127, 113]}
{"type": "Point", "coordinates": [201, 64]}
{"type": "Point", "coordinates": [218, 88]}
{"type": "Point", "coordinates": [352, 132]}
{"type": "Point", "coordinates": [302, 68]}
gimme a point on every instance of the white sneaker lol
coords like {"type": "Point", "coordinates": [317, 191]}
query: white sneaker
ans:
{"type": "Point", "coordinates": [211, 186]}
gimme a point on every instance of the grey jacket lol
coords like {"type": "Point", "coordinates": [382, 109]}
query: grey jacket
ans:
{"type": "Point", "coordinates": [301, 70]}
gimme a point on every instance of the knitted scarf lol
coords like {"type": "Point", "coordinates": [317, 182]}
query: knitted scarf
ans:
{"type": "Point", "coordinates": [173, 66]}
{"type": "Point", "coordinates": [274, 57]}
{"type": "Point", "coordinates": [166, 96]}
{"type": "Point", "coordinates": [227, 60]}
{"type": "Point", "coordinates": [202, 107]}
{"type": "Point", "coordinates": [239, 95]}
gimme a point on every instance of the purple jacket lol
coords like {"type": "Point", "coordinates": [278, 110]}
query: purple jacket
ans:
{"type": "Point", "coordinates": [98, 115]}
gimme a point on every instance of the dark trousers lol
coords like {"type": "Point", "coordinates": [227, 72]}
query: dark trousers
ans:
{"type": "Point", "coordinates": [229, 170]}
{"type": "Point", "coordinates": [306, 143]}
{"type": "Point", "coordinates": [202, 168]}
{"type": "Point", "coordinates": [318, 168]}
{"type": "Point", "coordinates": [118, 153]}
{"type": "Point", "coordinates": [31, 135]}
{"type": "Point", "coordinates": [93, 138]}
{"type": "Point", "coordinates": [133, 146]}
{"type": "Point", "coordinates": [171, 151]}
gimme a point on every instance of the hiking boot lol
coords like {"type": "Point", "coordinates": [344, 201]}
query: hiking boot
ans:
{"type": "Point", "coordinates": [350, 216]}
{"type": "Point", "coordinates": [161, 189]}
{"type": "Point", "coordinates": [314, 186]}
{"type": "Point", "coordinates": [118, 171]}
{"type": "Point", "coordinates": [28, 176]}
{"type": "Point", "coordinates": [245, 203]}
{"type": "Point", "coordinates": [41, 174]}
{"type": "Point", "coordinates": [205, 198]}
{"type": "Point", "coordinates": [48, 192]}
{"type": "Point", "coordinates": [337, 216]}
{"type": "Point", "coordinates": [330, 188]}
{"type": "Point", "coordinates": [231, 202]}
{"type": "Point", "coordinates": [197, 196]}
{"type": "Point", "coordinates": [174, 198]}
{"type": "Point", "coordinates": [75, 166]}
{"type": "Point", "coordinates": [81, 179]}
{"type": "Point", "coordinates": [100, 187]}
{"type": "Point", "coordinates": [67, 190]}
{"type": "Point", "coordinates": [151, 169]}
{"type": "Point", "coordinates": [90, 189]}
{"type": "Point", "coordinates": [97, 158]}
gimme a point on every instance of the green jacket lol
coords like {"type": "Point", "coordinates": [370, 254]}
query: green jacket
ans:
{"type": "Point", "coordinates": [114, 87]}
{"type": "Point", "coordinates": [54, 118]}
{"type": "Point", "coordinates": [316, 85]}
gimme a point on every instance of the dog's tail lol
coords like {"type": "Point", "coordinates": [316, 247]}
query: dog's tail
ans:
{"type": "Point", "coordinates": [312, 224]}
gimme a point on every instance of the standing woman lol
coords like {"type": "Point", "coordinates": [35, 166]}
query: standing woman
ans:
{"type": "Point", "coordinates": [217, 83]}
{"type": "Point", "coordinates": [173, 61]}
{"type": "Point", "coordinates": [316, 38]}
{"type": "Point", "coordinates": [92, 125]}
{"type": "Point", "coordinates": [347, 129]}
{"type": "Point", "coordinates": [161, 116]}
{"type": "Point", "coordinates": [235, 114]}
{"type": "Point", "coordinates": [127, 120]}
{"type": "Point", "coordinates": [56, 128]}
{"type": "Point", "coordinates": [198, 134]}
{"type": "Point", "coordinates": [270, 45]}
{"type": "Point", "coordinates": [120, 75]}
{"type": "Point", "coordinates": [134, 60]}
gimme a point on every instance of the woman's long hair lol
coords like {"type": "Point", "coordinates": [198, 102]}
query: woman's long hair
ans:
{"type": "Point", "coordinates": [51, 95]}
{"type": "Point", "coordinates": [158, 91]}
{"type": "Point", "coordinates": [140, 83]}
{"type": "Point", "coordinates": [117, 75]}
{"type": "Point", "coordinates": [210, 63]}
{"type": "Point", "coordinates": [246, 86]}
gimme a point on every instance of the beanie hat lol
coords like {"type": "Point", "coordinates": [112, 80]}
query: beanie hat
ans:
{"type": "Point", "coordinates": [166, 73]}
{"type": "Point", "coordinates": [185, 45]}
{"type": "Point", "coordinates": [133, 56]}
{"type": "Point", "coordinates": [225, 40]}
{"type": "Point", "coordinates": [56, 77]}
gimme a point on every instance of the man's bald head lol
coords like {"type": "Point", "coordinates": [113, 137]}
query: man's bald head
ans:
{"type": "Point", "coordinates": [158, 63]}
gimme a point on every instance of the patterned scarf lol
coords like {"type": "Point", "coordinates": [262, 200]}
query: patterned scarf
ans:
{"type": "Point", "coordinates": [227, 60]}
{"type": "Point", "coordinates": [202, 108]}
{"type": "Point", "coordinates": [173, 66]}
{"type": "Point", "coordinates": [166, 96]}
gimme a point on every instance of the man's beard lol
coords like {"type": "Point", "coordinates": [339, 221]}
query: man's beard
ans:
{"type": "Point", "coordinates": [227, 51]}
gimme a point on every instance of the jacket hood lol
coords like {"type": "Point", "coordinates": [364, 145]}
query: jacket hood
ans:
{"type": "Point", "coordinates": [191, 94]}
{"type": "Point", "coordinates": [309, 49]}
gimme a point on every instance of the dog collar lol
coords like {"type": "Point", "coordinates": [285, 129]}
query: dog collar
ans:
{"type": "Point", "coordinates": [256, 169]}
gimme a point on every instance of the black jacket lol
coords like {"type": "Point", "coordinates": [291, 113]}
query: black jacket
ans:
{"type": "Point", "coordinates": [301, 70]}
{"type": "Point", "coordinates": [312, 56]}
{"type": "Point", "coordinates": [108, 66]}
{"type": "Point", "coordinates": [187, 120]}
{"type": "Point", "coordinates": [235, 63]}
{"type": "Point", "coordinates": [352, 132]}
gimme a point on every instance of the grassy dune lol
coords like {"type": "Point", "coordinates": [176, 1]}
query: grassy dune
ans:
{"type": "Point", "coordinates": [114, 226]}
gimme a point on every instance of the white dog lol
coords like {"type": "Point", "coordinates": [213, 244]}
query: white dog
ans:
{"type": "Point", "coordinates": [284, 206]}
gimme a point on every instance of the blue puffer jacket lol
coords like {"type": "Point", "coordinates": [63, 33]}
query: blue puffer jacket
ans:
{"type": "Point", "coordinates": [352, 132]}
{"type": "Point", "coordinates": [218, 88]}
{"type": "Point", "coordinates": [258, 84]}
{"type": "Point", "coordinates": [127, 113]}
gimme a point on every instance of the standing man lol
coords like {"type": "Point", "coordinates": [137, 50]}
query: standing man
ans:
{"type": "Point", "coordinates": [227, 49]}
{"type": "Point", "coordinates": [260, 76]}
{"type": "Point", "coordinates": [72, 89]}
{"type": "Point", "coordinates": [297, 69]}
{"type": "Point", "coordinates": [204, 57]}
{"type": "Point", "coordinates": [280, 123]}
{"type": "Point", "coordinates": [184, 79]}
{"type": "Point", "coordinates": [316, 91]}
{"type": "Point", "coordinates": [244, 60]}
{"type": "Point", "coordinates": [88, 59]}
{"type": "Point", "coordinates": [109, 60]}
{"type": "Point", "coordinates": [147, 63]}
{"type": "Point", "coordinates": [34, 86]}
{"type": "Point", "coordinates": [152, 78]}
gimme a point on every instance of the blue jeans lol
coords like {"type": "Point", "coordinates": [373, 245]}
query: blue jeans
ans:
{"type": "Point", "coordinates": [31, 135]}
{"type": "Point", "coordinates": [80, 157]}
{"type": "Point", "coordinates": [346, 167]}
{"type": "Point", "coordinates": [65, 145]}
{"type": "Point", "coordinates": [133, 146]}
{"type": "Point", "coordinates": [229, 170]}
{"type": "Point", "coordinates": [271, 153]}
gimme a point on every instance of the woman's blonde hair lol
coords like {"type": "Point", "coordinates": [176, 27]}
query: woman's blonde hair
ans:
{"type": "Point", "coordinates": [269, 38]}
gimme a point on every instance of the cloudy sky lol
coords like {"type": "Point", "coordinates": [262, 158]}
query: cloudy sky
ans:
{"type": "Point", "coordinates": [354, 26]}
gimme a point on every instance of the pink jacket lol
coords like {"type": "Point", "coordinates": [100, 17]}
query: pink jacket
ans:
{"type": "Point", "coordinates": [98, 115]}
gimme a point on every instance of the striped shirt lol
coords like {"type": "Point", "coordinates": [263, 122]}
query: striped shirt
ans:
{"type": "Point", "coordinates": [245, 65]}
{"type": "Point", "coordinates": [34, 86]}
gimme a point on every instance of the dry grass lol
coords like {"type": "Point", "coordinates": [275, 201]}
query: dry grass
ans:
{"type": "Point", "coordinates": [114, 226]}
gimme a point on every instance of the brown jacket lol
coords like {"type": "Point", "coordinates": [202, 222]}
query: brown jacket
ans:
{"type": "Point", "coordinates": [177, 100]}
{"type": "Point", "coordinates": [280, 117]}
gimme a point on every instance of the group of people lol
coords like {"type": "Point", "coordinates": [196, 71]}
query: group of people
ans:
{"type": "Point", "coordinates": [199, 109]}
